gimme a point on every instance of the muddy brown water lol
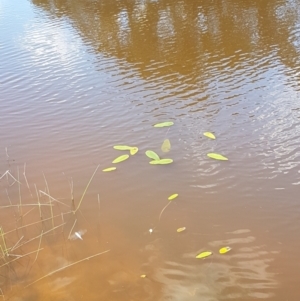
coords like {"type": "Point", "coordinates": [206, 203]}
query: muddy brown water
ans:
{"type": "Point", "coordinates": [78, 77]}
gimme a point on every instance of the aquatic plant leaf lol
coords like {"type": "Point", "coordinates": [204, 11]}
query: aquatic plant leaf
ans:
{"type": "Point", "coordinates": [152, 155]}
{"type": "Point", "coordinates": [173, 196]}
{"type": "Point", "coordinates": [217, 156]}
{"type": "Point", "coordinates": [133, 150]}
{"type": "Point", "coordinates": [143, 276]}
{"type": "Point", "coordinates": [166, 146]}
{"type": "Point", "coordinates": [109, 169]}
{"type": "Point", "coordinates": [123, 147]}
{"type": "Point", "coordinates": [181, 229]}
{"type": "Point", "coordinates": [163, 124]}
{"type": "Point", "coordinates": [209, 135]}
{"type": "Point", "coordinates": [121, 158]}
{"type": "Point", "coordinates": [224, 250]}
{"type": "Point", "coordinates": [161, 162]}
{"type": "Point", "coordinates": [204, 254]}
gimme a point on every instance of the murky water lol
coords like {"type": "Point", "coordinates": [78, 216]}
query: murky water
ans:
{"type": "Point", "coordinates": [78, 77]}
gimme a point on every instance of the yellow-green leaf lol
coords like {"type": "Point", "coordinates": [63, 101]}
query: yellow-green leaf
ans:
{"type": "Point", "coordinates": [143, 276]}
{"type": "Point", "coordinates": [133, 150]}
{"type": "Point", "coordinates": [166, 146]}
{"type": "Point", "coordinates": [152, 155]}
{"type": "Point", "coordinates": [162, 161]}
{"type": "Point", "coordinates": [217, 156]}
{"type": "Point", "coordinates": [109, 169]}
{"type": "Point", "coordinates": [173, 196]}
{"type": "Point", "coordinates": [204, 254]}
{"type": "Point", "coordinates": [224, 250]}
{"type": "Point", "coordinates": [209, 135]}
{"type": "Point", "coordinates": [163, 124]}
{"type": "Point", "coordinates": [121, 158]}
{"type": "Point", "coordinates": [181, 229]}
{"type": "Point", "coordinates": [123, 147]}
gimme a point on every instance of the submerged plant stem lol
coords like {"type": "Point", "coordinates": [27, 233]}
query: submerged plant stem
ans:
{"type": "Point", "coordinates": [163, 210]}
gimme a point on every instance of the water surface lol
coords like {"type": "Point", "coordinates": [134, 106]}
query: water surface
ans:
{"type": "Point", "coordinates": [78, 77]}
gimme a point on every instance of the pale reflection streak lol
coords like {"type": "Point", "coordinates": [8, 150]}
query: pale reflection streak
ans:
{"type": "Point", "coordinates": [124, 33]}
{"type": "Point", "coordinates": [45, 41]}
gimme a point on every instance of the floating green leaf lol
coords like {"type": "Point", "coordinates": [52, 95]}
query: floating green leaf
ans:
{"type": "Point", "coordinates": [109, 169]}
{"type": "Point", "coordinates": [121, 158]}
{"type": "Point", "coordinates": [173, 196]}
{"type": "Point", "coordinates": [133, 150]}
{"type": "Point", "coordinates": [152, 155]}
{"type": "Point", "coordinates": [166, 146]}
{"type": "Point", "coordinates": [209, 135]}
{"type": "Point", "coordinates": [123, 147]}
{"type": "Point", "coordinates": [162, 161]}
{"type": "Point", "coordinates": [217, 156]}
{"type": "Point", "coordinates": [163, 124]}
{"type": "Point", "coordinates": [224, 250]}
{"type": "Point", "coordinates": [181, 229]}
{"type": "Point", "coordinates": [204, 254]}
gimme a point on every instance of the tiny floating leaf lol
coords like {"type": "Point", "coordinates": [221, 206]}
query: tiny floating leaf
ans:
{"type": "Point", "coordinates": [109, 169]}
{"type": "Point", "coordinates": [121, 158]}
{"type": "Point", "coordinates": [163, 124]}
{"type": "Point", "coordinates": [217, 156]}
{"type": "Point", "coordinates": [152, 155]}
{"type": "Point", "coordinates": [162, 162]}
{"type": "Point", "coordinates": [173, 196]}
{"type": "Point", "coordinates": [181, 229]}
{"type": "Point", "coordinates": [204, 254]}
{"type": "Point", "coordinates": [133, 150]}
{"type": "Point", "coordinates": [143, 276]}
{"type": "Point", "coordinates": [123, 147]}
{"type": "Point", "coordinates": [224, 250]}
{"type": "Point", "coordinates": [209, 135]}
{"type": "Point", "coordinates": [166, 146]}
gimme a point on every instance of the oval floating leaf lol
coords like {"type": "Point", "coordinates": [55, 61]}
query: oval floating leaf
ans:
{"type": "Point", "coordinates": [181, 229]}
{"type": "Point", "coordinates": [209, 135]}
{"type": "Point", "coordinates": [173, 196]}
{"type": "Point", "coordinates": [204, 254]}
{"type": "Point", "coordinates": [121, 158]}
{"type": "Point", "coordinates": [217, 156]}
{"type": "Point", "coordinates": [166, 146]}
{"type": "Point", "coordinates": [224, 250]}
{"type": "Point", "coordinates": [152, 155]}
{"type": "Point", "coordinates": [133, 150]}
{"type": "Point", "coordinates": [162, 162]}
{"type": "Point", "coordinates": [163, 124]}
{"type": "Point", "coordinates": [109, 169]}
{"type": "Point", "coordinates": [123, 147]}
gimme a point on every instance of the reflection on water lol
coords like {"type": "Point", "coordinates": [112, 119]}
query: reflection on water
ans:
{"type": "Point", "coordinates": [78, 77]}
{"type": "Point", "coordinates": [240, 274]}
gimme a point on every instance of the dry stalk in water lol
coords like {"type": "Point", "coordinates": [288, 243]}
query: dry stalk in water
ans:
{"type": "Point", "coordinates": [67, 266]}
{"type": "Point", "coordinates": [86, 188]}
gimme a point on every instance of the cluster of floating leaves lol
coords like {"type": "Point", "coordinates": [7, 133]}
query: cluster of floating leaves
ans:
{"type": "Point", "coordinates": [156, 160]}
